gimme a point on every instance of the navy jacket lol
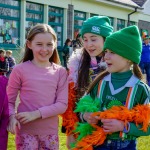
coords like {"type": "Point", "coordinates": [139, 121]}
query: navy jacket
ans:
{"type": "Point", "coordinates": [145, 57]}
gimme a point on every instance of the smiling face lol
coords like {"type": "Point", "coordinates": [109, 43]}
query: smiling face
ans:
{"type": "Point", "coordinates": [2, 54]}
{"type": "Point", "coordinates": [116, 63]}
{"type": "Point", "coordinates": [69, 43]}
{"type": "Point", "coordinates": [42, 46]}
{"type": "Point", "coordinates": [93, 44]}
{"type": "Point", "coordinates": [146, 41]}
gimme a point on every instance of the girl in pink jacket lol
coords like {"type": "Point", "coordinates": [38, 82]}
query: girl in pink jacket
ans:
{"type": "Point", "coordinates": [3, 113]}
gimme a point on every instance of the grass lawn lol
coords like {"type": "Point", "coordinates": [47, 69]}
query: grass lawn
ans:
{"type": "Point", "coordinates": [62, 140]}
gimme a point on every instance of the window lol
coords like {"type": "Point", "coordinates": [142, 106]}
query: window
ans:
{"type": "Point", "coordinates": [131, 23]}
{"type": "Point", "coordinates": [34, 15]}
{"type": "Point", "coordinates": [55, 20]}
{"type": "Point", "coordinates": [79, 17]}
{"type": "Point", "coordinates": [10, 2]}
{"type": "Point", "coordinates": [92, 15]}
{"type": "Point", "coordinates": [111, 21]}
{"type": "Point", "coordinates": [120, 24]}
{"type": "Point", "coordinates": [9, 22]}
{"type": "Point", "coordinates": [9, 12]}
{"type": "Point", "coordinates": [34, 7]}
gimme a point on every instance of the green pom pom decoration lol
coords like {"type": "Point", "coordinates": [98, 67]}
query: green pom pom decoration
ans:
{"type": "Point", "coordinates": [84, 129]}
{"type": "Point", "coordinates": [114, 103]}
{"type": "Point", "coordinates": [87, 104]}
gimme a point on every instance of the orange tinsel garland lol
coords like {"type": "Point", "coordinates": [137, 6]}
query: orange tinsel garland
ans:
{"type": "Point", "coordinates": [140, 114]}
{"type": "Point", "coordinates": [69, 117]}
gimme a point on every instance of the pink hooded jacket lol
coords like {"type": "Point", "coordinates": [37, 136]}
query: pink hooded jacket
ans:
{"type": "Point", "coordinates": [4, 115]}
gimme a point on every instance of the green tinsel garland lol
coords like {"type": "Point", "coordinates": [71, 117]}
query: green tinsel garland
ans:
{"type": "Point", "coordinates": [85, 104]}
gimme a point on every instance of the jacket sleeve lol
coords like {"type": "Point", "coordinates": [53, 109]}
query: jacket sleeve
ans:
{"type": "Point", "coordinates": [14, 85]}
{"type": "Point", "coordinates": [136, 130]}
{"type": "Point", "coordinates": [144, 98]}
{"type": "Point", "coordinates": [6, 65]}
{"type": "Point", "coordinates": [12, 62]}
{"type": "Point", "coordinates": [61, 102]}
{"type": "Point", "coordinates": [64, 49]}
{"type": "Point", "coordinates": [3, 125]}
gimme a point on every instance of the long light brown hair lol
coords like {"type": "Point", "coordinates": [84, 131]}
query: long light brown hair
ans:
{"type": "Point", "coordinates": [83, 72]}
{"type": "Point", "coordinates": [41, 28]}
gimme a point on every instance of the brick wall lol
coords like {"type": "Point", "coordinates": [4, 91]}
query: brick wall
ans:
{"type": "Point", "coordinates": [70, 21]}
{"type": "Point", "coordinates": [144, 25]}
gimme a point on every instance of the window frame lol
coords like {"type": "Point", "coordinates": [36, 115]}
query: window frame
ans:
{"type": "Point", "coordinates": [10, 18]}
{"type": "Point", "coordinates": [120, 26]}
{"type": "Point", "coordinates": [53, 24]}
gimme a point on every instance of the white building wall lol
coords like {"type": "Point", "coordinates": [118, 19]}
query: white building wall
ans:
{"type": "Point", "coordinates": [147, 7]}
{"type": "Point", "coordinates": [100, 8]}
{"type": "Point", "coordinates": [91, 6]}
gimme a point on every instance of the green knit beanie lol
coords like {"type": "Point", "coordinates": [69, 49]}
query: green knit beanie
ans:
{"type": "Point", "coordinates": [126, 43]}
{"type": "Point", "coordinates": [99, 25]}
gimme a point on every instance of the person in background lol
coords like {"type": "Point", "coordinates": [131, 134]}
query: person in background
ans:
{"type": "Point", "coordinates": [11, 62]}
{"type": "Point", "coordinates": [77, 43]}
{"type": "Point", "coordinates": [120, 85]}
{"type": "Point", "coordinates": [4, 65]}
{"type": "Point", "coordinates": [4, 115]}
{"type": "Point", "coordinates": [66, 50]}
{"type": "Point", "coordinates": [145, 58]}
{"type": "Point", "coordinates": [84, 65]}
{"type": "Point", "coordinates": [43, 87]}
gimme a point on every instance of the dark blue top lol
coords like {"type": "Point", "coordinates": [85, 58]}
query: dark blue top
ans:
{"type": "Point", "coordinates": [145, 57]}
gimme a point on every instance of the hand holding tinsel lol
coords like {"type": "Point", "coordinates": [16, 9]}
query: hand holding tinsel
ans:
{"type": "Point", "coordinates": [140, 114]}
{"type": "Point", "coordinates": [90, 135]}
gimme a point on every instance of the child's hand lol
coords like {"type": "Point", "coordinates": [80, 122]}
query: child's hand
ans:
{"type": "Point", "coordinates": [90, 119]}
{"type": "Point", "coordinates": [70, 139]}
{"type": "Point", "coordinates": [112, 125]}
{"type": "Point", "coordinates": [26, 117]}
{"type": "Point", "coordinates": [13, 124]}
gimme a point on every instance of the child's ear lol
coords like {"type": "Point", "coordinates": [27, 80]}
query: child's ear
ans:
{"type": "Point", "coordinates": [28, 44]}
{"type": "Point", "coordinates": [130, 62]}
